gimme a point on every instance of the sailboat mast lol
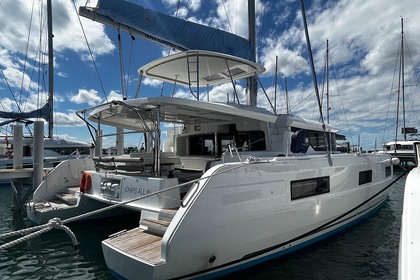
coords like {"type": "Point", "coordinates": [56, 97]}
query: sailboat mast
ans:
{"type": "Point", "coordinates": [402, 75]}
{"type": "Point", "coordinates": [251, 82]}
{"type": "Point", "coordinates": [50, 69]}
{"type": "Point", "coordinates": [400, 89]}
{"type": "Point", "coordinates": [328, 87]}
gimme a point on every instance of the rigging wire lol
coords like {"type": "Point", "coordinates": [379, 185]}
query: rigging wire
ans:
{"type": "Point", "coordinates": [90, 52]}
{"type": "Point", "coordinates": [227, 16]}
{"type": "Point", "coordinates": [26, 50]}
{"type": "Point", "coordinates": [391, 92]}
{"type": "Point", "coordinates": [303, 100]}
{"type": "Point", "coordinates": [415, 78]}
{"type": "Point", "coordinates": [11, 91]}
{"type": "Point", "coordinates": [327, 145]}
{"type": "Point", "coordinates": [341, 101]}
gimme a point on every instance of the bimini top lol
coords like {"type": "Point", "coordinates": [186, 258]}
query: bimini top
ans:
{"type": "Point", "coordinates": [141, 114]}
{"type": "Point", "coordinates": [200, 68]}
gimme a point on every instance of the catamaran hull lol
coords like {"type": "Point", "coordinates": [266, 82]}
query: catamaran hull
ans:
{"type": "Point", "coordinates": [226, 226]}
{"type": "Point", "coordinates": [123, 266]}
{"type": "Point", "coordinates": [60, 195]}
{"type": "Point", "coordinates": [85, 205]}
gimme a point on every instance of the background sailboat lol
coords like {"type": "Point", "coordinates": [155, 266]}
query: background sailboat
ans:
{"type": "Point", "coordinates": [56, 149]}
{"type": "Point", "coordinates": [403, 148]}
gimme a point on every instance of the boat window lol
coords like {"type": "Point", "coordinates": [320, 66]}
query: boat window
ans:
{"type": "Point", "coordinates": [365, 177]}
{"type": "Point", "coordinates": [243, 140]}
{"type": "Point", "coordinates": [407, 147]}
{"type": "Point", "coordinates": [202, 144]}
{"type": "Point", "coordinates": [250, 141]}
{"type": "Point", "coordinates": [317, 141]}
{"type": "Point", "coordinates": [309, 187]}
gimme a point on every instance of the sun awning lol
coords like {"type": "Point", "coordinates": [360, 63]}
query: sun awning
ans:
{"type": "Point", "coordinates": [141, 114]}
{"type": "Point", "coordinates": [200, 68]}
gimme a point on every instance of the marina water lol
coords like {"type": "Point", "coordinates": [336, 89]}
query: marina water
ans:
{"type": "Point", "coordinates": [367, 251]}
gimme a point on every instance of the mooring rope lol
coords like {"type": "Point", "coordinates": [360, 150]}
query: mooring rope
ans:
{"type": "Point", "coordinates": [54, 223]}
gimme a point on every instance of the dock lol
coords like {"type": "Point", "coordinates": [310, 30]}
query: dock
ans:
{"type": "Point", "coordinates": [22, 183]}
{"type": "Point", "coordinates": [21, 173]}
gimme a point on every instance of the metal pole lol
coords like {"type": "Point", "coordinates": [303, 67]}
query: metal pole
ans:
{"type": "Point", "coordinates": [38, 154]}
{"type": "Point", "coordinates": [120, 141]}
{"type": "Point", "coordinates": [17, 146]}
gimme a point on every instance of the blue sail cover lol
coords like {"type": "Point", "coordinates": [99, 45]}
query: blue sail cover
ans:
{"type": "Point", "coordinates": [167, 30]}
{"type": "Point", "coordinates": [43, 113]}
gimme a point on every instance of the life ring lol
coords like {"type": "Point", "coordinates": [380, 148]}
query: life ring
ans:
{"type": "Point", "coordinates": [85, 182]}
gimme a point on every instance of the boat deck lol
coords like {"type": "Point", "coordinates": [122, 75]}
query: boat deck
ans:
{"type": "Point", "coordinates": [138, 243]}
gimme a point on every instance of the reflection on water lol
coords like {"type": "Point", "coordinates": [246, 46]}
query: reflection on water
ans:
{"type": "Point", "coordinates": [366, 251]}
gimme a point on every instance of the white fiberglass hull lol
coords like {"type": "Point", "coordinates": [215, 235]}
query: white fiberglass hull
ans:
{"type": "Point", "coordinates": [409, 253]}
{"type": "Point", "coordinates": [59, 195]}
{"type": "Point", "coordinates": [245, 216]}
{"type": "Point", "coordinates": [38, 215]}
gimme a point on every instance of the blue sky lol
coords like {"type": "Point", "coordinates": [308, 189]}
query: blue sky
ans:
{"type": "Point", "coordinates": [364, 38]}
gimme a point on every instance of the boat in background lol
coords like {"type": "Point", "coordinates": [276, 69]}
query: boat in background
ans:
{"type": "Point", "coordinates": [402, 148]}
{"type": "Point", "coordinates": [409, 252]}
{"type": "Point", "coordinates": [55, 151]}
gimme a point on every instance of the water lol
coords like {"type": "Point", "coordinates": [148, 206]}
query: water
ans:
{"type": "Point", "coordinates": [366, 251]}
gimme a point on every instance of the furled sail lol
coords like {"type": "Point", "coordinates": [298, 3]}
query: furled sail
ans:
{"type": "Point", "coordinates": [43, 113]}
{"type": "Point", "coordinates": [167, 30]}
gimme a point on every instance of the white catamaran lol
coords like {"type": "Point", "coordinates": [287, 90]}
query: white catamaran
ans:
{"type": "Point", "coordinates": [236, 185]}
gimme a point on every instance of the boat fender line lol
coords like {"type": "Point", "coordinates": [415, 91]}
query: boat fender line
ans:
{"type": "Point", "coordinates": [85, 182]}
{"type": "Point", "coordinates": [54, 223]}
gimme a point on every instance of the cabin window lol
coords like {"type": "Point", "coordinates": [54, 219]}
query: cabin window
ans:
{"type": "Point", "coordinates": [202, 145]}
{"type": "Point", "coordinates": [365, 177]}
{"type": "Point", "coordinates": [309, 187]}
{"type": "Point", "coordinates": [250, 141]}
{"type": "Point", "coordinates": [317, 140]}
{"type": "Point", "coordinates": [242, 140]}
{"type": "Point", "coordinates": [388, 171]}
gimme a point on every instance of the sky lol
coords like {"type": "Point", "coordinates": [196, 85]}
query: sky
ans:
{"type": "Point", "coordinates": [364, 42]}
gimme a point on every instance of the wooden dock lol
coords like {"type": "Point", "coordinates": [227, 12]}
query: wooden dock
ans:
{"type": "Point", "coordinates": [21, 173]}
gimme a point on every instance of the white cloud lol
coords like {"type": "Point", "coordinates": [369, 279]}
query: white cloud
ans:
{"type": "Point", "coordinates": [114, 95]}
{"type": "Point", "coordinates": [86, 96]}
{"type": "Point", "coordinates": [67, 119]}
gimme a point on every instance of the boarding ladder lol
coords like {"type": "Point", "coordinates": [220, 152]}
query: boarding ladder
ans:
{"type": "Point", "coordinates": [193, 74]}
